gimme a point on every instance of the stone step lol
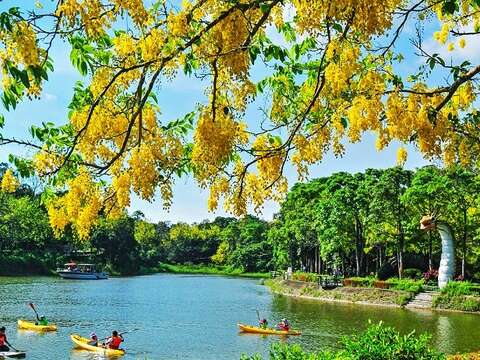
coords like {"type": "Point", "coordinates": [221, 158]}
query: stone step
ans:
{"type": "Point", "coordinates": [422, 300]}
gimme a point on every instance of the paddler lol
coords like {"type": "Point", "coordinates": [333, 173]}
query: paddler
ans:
{"type": "Point", "coordinates": [263, 323]}
{"type": "Point", "coordinates": [115, 340]}
{"type": "Point", "coordinates": [3, 340]}
{"type": "Point", "coordinates": [93, 339]}
{"type": "Point", "coordinates": [283, 325]}
{"type": "Point", "coordinates": [42, 320]}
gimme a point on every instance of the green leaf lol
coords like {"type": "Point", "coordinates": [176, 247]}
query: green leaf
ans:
{"type": "Point", "coordinates": [449, 7]}
{"type": "Point", "coordinates": [265, 8]}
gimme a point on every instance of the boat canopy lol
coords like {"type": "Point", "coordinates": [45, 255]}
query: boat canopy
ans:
{"type": "Point", "coordinates": [70, 264]}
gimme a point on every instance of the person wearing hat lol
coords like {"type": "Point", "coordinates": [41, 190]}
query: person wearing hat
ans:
{"type": "Point", "coordinates": [93, 339]}
{"type": "Point", "coordinates": [3, 340]}
{"type": "Point", "coordinates": [284, 325]}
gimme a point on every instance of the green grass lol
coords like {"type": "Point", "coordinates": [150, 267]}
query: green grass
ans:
{"type": "Point", "coordinates": [413, 286]}
{"type": "Point", "coordinates": [206, 270]}
{"type": "Point", "coordinates": [410, 285]}
{"type": "Point", "coordinates": [458, 295]}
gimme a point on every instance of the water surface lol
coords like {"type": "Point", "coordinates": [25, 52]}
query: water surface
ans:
{"type": "Point", "coordinates": [194, 317]}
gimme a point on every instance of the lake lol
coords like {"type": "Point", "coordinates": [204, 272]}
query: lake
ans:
{"type": "Point", "coordinates": [195, 317]}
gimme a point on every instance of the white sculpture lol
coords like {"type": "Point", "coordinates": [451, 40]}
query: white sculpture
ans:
{"type": "Point", "coordinates": [446, 271]}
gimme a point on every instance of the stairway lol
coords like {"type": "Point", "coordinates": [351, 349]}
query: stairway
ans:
{"type": "Point", "coordinates": [422, 300]}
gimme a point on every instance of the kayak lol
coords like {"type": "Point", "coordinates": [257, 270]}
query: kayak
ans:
{"type": "Point", "coordinates": [268, 331]}
{"type": "Point", "coordinates": [27, 325]}
{"type": "Point", "coordinates": [13, 354]}
{"type": "Point", "coordinates": [82, 343]}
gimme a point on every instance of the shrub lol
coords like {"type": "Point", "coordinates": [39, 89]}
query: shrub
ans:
{"type": "Point", "coordinates": [381, 284]}
{"type": "Point", "coordinates": [378, 342]}
{"type": "Point", "coordinates": [457, 288]}
{"type": "Point", "coordinates": [305, 276]}
{"type": "Point", "coordinates": [386, 271]}
{"type": "Point", "coordinates": [279, 351]}
{"type": "Point", "coordinates": [414, 286]}
{"type": "Point", "coordinates": [404, 299]}
{"type": "Point", "coordinates": [359, 282]}
{"type": "Point", "coordinates": [458, 302]}
{"type": "Point", "coordinates": [430, 276]}
{"type": "Point", "coordinates": [413, 273]}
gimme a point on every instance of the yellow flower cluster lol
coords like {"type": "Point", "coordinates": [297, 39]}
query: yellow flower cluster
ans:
{"type": "Point", "coordinates": [124, 45]}
{"type": "Point", "coordinates": [80, 206]}
{"type": "Point", "coordinates": [401, 156]}
{"type": "Point", "coordinates": [19, 47]}
{"type": "Point", "coordinates": [214, 142]}
{"type": "Point", "coordinates": [24, 45]}
{"type": "Point", "coordinates": [9, 182]}
{"type": "Point", "coordinates": [368, 17]}
{"type": "Point", "coordinates": [343, 64]}
{"type": "Point", "coordinates": [177, 24]}
{"type": "Point", "coordinates": [90, 13]}
{"type": "Point", "coordinates": [151, 46]}
{"type": "Point", "coordinates": [136, 10]}
{"type": "Point", "coordinates": [442, 35]}
{"type": "Point", "coordinates": [46, 161]}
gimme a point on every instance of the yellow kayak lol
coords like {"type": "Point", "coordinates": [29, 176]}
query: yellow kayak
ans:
{"type": "Point", "coordinates": [27, 325]}
{"type": "Point", "coordinates": [268, 331]}
{"type": "Point", "coordinates": [82, 343]}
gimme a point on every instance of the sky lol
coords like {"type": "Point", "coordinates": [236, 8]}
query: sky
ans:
{"type": "Point", "coordinates": [176, 98]}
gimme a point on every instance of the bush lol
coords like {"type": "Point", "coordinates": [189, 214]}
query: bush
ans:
{"type": "Point", "coordinates": [404, 299]}
{"type": "Point", "coordinates": [359, 282]}
{"type": "Point", "coordinates": [412, 273]}
{"type": "Point", "coordinates": [414, 286]}
{"type": "Point", "coordinates": [386, 271]}
{"type": "Point", "coordinates": [457, 288]}
{"type": "Point", "coordinates": [458, 302]}
{"type": "Point", "coordinates": [381, 284]}
{"type": "Point", "coordinates": [378, 342]}
{"type": "Point", "coordinates": [305, 276]}
{"type": "Point", "coordinates": [27, 264]}
{"type": "Point", "coordinates": [430, 276]}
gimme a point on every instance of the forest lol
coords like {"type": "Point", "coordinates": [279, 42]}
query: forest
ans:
{"type": "Point", "coordinates": [352, 224]}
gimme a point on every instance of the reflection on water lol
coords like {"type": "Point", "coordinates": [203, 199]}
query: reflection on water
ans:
{"type": "Point", "coordinates": [327, 323]}
{"type": "Point", "coordinates": [195, 317]}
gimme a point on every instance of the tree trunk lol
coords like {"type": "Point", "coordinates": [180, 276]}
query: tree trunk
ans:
{"type": "Point", "coordinates": [464, 242]}
{"type": "Point", "coordinates": [401, 249]}
{"type": "Point", "coordinates": [358, 248]}
{"type": "Point", "coordinates": [430, 251]}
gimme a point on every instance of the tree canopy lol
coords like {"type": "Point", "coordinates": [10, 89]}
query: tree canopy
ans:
{"type": "Point", "coordinates": [334, 76]}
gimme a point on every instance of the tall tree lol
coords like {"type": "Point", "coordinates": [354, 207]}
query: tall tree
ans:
{"type": "Point", "coordinates": [429, 194]}
{"type": "Point", "coordinates": [333, 77]}
{"type": "Point", "coordinates": [388, 210]}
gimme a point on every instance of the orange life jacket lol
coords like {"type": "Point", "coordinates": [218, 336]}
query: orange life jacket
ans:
{"type": "Point", "coordinates": [3, 339]}
{"type": "Point", "coordinates": [115, 343]}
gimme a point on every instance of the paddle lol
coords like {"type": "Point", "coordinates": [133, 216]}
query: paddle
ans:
{"type": "Point", "coordinates": [33, 308]}
{"type": "Point", "coordinates": [122, 333]}
{"type": "Point", "coordinates": [258, 315]}
{"type": "Point", "coordinates": [14, 348]}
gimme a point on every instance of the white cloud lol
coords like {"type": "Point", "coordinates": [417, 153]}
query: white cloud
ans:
{"type": "Point", "coordinates": [49, 97]}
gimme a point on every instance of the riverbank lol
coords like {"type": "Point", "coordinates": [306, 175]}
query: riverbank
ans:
{"type": "Point", "coordinates": [26, 265]}
{"type": "Point", "coordinates": [353, 295]}
{"type": "Point", "coordinates": [445, 301]}
{"type": "Point", "coordinates": [201, 270]}
{"type": "Point", "coordinates": [33, 265]}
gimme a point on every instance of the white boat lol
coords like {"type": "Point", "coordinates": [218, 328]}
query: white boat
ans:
{"type": "Point", "coordinates": [81, 272]}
